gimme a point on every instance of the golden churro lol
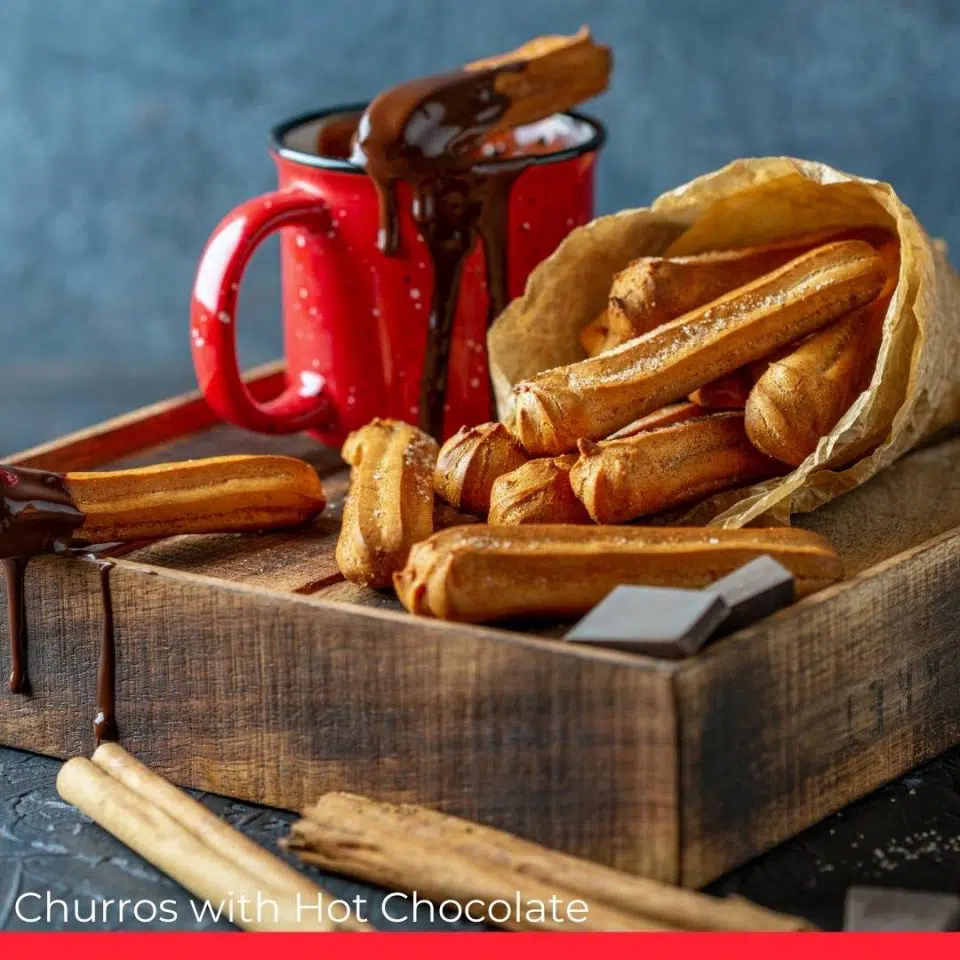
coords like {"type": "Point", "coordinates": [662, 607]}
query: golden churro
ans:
{"type": "Point", "coordinates": [485, 573]}
{"type": "Point", "coordinates": [593, 398]}
{"type": "Point", "coordinates": [538, 492]}
{"type": "Point", "coordinates": [389, 506]}
{"type": "Point", "coordinates": [469, 463]}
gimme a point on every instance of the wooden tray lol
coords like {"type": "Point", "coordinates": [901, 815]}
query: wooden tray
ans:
{"type": "Point", "coordinates": [247, 666]}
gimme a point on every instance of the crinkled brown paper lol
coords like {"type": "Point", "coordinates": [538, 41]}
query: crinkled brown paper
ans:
{"type": "Point", "coordinates": [916, 385]}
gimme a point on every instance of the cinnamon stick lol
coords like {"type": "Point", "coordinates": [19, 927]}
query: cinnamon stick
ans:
{"type": "Point", "coordinates": [229, 843]}
{"type": "Point", "coordinates": [407, 846]}
{"type": "Point", "coordinates": [354, 841]}
{"type": "Point", "coordinates": [213, 866]}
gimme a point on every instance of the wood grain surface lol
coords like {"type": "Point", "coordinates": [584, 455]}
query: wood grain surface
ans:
{"type": "Point", "coordinates": [246, 665]}
{"type": "Point", "coordinates": [791, 720]}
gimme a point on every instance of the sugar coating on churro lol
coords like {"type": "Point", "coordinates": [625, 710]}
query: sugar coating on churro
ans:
{"type": "Point", "coordinates": [593, 398]}
{"type": "Point", "coordinates": [471, 461]}
{"type": "Point", "coordinates": [389, 505]}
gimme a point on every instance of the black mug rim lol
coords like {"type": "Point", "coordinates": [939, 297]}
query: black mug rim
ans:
{"type": "Point", "coordinates": [280, 149]}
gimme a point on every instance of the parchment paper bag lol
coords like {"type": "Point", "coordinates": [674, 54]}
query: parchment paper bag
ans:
{"type": "Point", "coordinates": [916, 385]}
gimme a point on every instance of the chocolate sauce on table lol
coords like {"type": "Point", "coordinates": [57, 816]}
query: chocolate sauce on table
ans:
{"type": "Point", "coordinates": [38, 515]}
{"type": "Point", "coordinates": [429, 132]}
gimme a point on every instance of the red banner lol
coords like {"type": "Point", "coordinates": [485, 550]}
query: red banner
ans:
{"type": "Point", "coordinates": [466, 946]}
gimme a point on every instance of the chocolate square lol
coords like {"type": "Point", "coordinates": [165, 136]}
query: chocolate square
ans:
{"type": "Point", "coordinates": [753, 592]}
{"type": "Point", "coordinates": [658, 621]}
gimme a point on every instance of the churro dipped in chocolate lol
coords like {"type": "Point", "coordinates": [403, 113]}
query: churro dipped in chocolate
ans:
{"type": "Point", "coordinates": [655, 290]}
{"type": "Point", "coordinates": [389, 505]}
{"type": "Point", "coordinates": [486, 573]}
{"type": "Point", "coordinates": [537, 492]}
{"type": "Point", "coordinates": [593, 398]}
{"type": "Point", "coordinates": [450, 138]}
{"type": "Point", "coordinates": [440, 122]}
{"type": "Point", "coordinates": [41, 510]}
{"type": "Point", "coordinates": [802, 396]}
{"type": "Point", "coordinates": [620, 480]}
{"type": "Point", "coordinates": [469, 463]}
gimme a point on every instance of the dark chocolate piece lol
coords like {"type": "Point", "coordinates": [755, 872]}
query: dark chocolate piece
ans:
{"type": "Point", "coordinates": [754, 591]}
{"type": "Point", "coordinates": [880, 910]}
{"type": "Point", "coordinates": [658, 621]}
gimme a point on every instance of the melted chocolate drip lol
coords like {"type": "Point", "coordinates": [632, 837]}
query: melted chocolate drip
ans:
{"type": "Point", "coordinates": [15, 569]}
{"type": "Point", "coordinates": [451, 213]}
{"type": "Point", "coordinates": [37, 514]}
{"type": "Point", "coordinates": [428, 132]}
{"type": "Point", "coordinates": [432, 125]}
{"type": "Point", "coordinates": [105, 723]}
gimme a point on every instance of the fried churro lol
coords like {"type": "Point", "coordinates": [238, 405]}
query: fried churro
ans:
{"type": "Point", "coordinates": [486, 573]}
{"type": "Point", "coordinates": [593, 398]}
{"type": "Point", "coordinates": [389, 506]}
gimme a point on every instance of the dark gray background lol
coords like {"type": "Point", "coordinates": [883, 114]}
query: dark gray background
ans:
{"type": "Point", "coordinates": [129, 127]}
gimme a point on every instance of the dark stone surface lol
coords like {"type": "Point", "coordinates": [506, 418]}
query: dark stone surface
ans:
{"type": "Point", "coordinates": [47, 845]}
{"type": "Point", "coordinates": [906, 835]}
{"type": "Point", "coordinates": [129, 127]}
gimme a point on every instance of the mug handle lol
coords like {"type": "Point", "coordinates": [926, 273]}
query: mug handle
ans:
{"type": "Point", "coordinates": [213, 317]}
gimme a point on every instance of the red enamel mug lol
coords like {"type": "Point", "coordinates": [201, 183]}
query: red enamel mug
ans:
{"type": "Point", "coordinates": [355, 319]}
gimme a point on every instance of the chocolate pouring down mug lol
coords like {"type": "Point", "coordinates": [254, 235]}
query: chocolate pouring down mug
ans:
{"type": "Point", "coordinates": [357, 320]}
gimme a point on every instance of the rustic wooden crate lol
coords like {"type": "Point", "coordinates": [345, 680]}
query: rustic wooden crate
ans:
{"type": "Point", "coordinates": [247, 666]}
